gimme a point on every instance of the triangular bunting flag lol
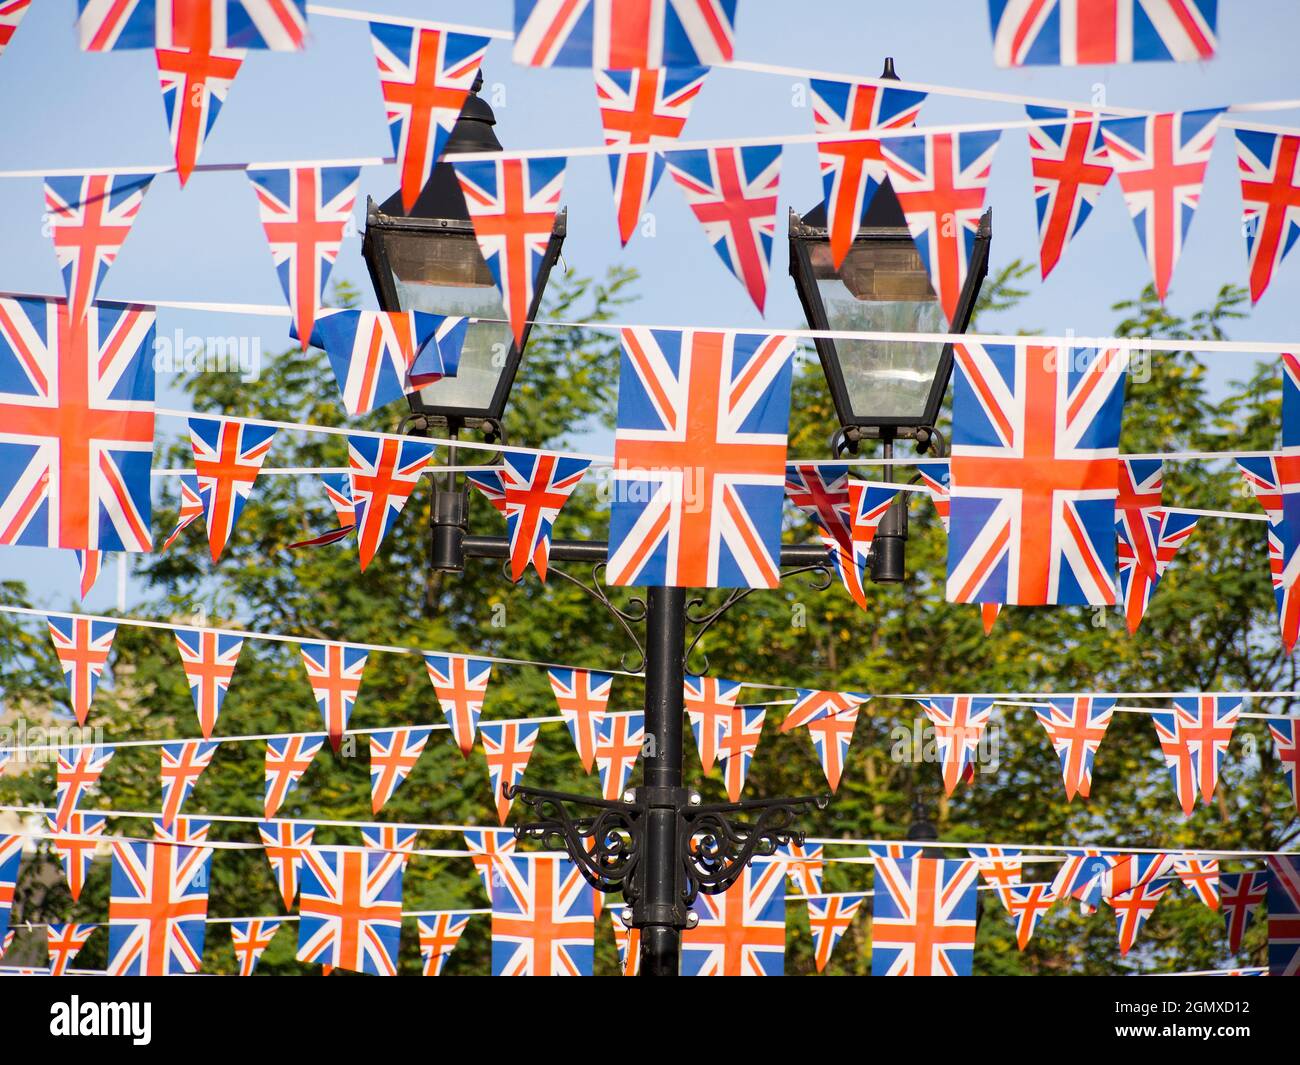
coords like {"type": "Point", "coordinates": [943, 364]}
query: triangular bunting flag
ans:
{"type": "Point", "coordinates": [383, 472]}
{"type": "Point", "coordinates": [507, 746]}
{"type": "Point", "coordinates": [1239, 895]}
{"type": "Point", "coordinates": [1194, 737]}
{"type": "Point", "coordinates": [209, 659]}
{"type": "Point", "coordinates": [191, 506]}
{"type": "Point", "coordinates": [999, 866]}
{"type": "Point", "coordinates": [75, 773]}
{"type": "Point", "coordinates": [617, 749]}
{"type": "Point", "coordinates": [460, 684]}
{"type": "Point", "coordinates": [196, 75]}
{"type": "Point", "coordinates": [11, 14]}
{"type": "Point", "coordinates": [1076, 726]}
{"type": "Point", "coordinates": [76, 849]}
{"type": "Point", "coordinates": [439, 935]}
{"type": "Point", "coordinates": [805, 863]}
{"type": "Point", "coordinates": [1288, 754]}
{"type": "Point", "coordinates": [1133, 908]}
{"type": "Point", "coordinates": [1201, 877]}
{"type": "Point", "coordinates": [285, 843]}
{"type": "Point", "coordinates": [287, 759]}
{"type": "Point", "coordinates": [1068, 157]}
{"type": "Point", "coordinates": [228, 456]}
{"type": "Point", "coordinates": [740, 736]}
{"type": "Point", "coordinates": [1027, 903]}
{"type": "Point", "coordinates": [831, 736]}
{"type": "Point", "coordinates": [1273, 483]}
{"type": "Point", "coordinates": [829, 918]}
{"type": "Point", "coordinates": [338, 489]}
{"type": "Point", "coordinates": [250, 937]}
{"type": "Point", "coordinates": [959, 722]}
{"type": "Point", "coordinates": [488, 846]}
{"type": "Point", "coordinates": [65, 942]}
{"type": "Point", "coordinates": [710, 702]}
{"type": "Point", "coordinates": [582, 696]}
{"type": "Point", "coordinates": [82, 646]}
{"type": "Point", "coordinates": [393, 754]}
{"type": "Point", "coordinates": [1269, 164]}
{"type": "Point", "coordinates": [182, 765]}
{"type": "Point", "coordinates": [812, 705]}
{"type": "Point", "coordinates": [90, 565]}
{"type": "Point", "coordinates": [191, 831]}
{"type": "Point", "coordinates": [1169, 530]}
{"type": "Point", "coordinates": [334, 672]}
{"type": "Point", "coordinates": [394, 839]}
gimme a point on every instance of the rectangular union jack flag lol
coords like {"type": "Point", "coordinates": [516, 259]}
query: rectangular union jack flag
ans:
{"type": "Point", "coordinates": [940, 180]}
{"type": "Point", "coordinates": [1194, 738]}
{"type": "Point", "coordinates": [507, 747]}
{"type": "Point", "coordinates": [1269, 164]}
{"type": "Point", "coordinates": [76, 771]}
{"type": "Point", "coordinates": [182, 765]}
{"type": "Point", "coordinates": [741, 932]}
{"type": "Point", "coordinates": [76, 849]}
{"type": "Point", "coordinates": [89, 217]}
{"type": "Point", "coordinates": [393, 754]}
{"type": "Point", "coordinates": [732, 191]}
{"type": "Point", "coordinates": [383, 472]}
{"type": "Point", "coordinates": [350, 909]}
{"type": "Point", "coordinates": [699, 459]}
{"type": "Point", "coordinates": [334, 671]}
{"type": "Point", "coordinates": [1034, 474]}
{"type": "Point", "coordinates": [1288, 753]}
{"type": "Point", "coordinates": [1076, 726]}
{"type": "Point", "coordinates": [196, 71]}
{"type": "Point", "coordinates": [284, 843]}
{"type": "Point", "coordinates": [110, 25]}
{"type": "Point", "coordinates": [828, 919]}
{"type": "Point", "coordinates": [513, 204]}
{"type": "Point", "coordinates": [424, 76]}
{"type": "Point", "coordinates": [617, 749]}
{"type": "Point", "coordinates": [543, 921]}
{"type": "Point", "coordinates": [852, 170]}
{"type": "Point", "coordinates": [529, 490]}
{"type": "Point", "coordinates": [1161, 161]}
{"type": "Point", "coordinates": [1275, 482]}
{"type": "Point", "coordinates": [612, 35]}
{"type": "Point", "coordinates": [208, 658]}
{"type": "Point", "coordinates": [460, 684]}
{"type": "Point", "coordinates": [822, 492]}
{"type": "Point", "coordinates": [228, 456]}
{"type": "Point", "coordinates": [642, 107]}
{"type": "Point", "coordinates": [924, 918]}
{"type": "Point", "coordinates": [959, 722]}
{"type": "Point", "coordinates": [250, 937]}
{"type": "Point", "coordinates": [581, 696]}
{"type": "Point", "coordinates": [11, 14]}
{"type": "Point", "coordinates": [157, 909]}
{"type": "Point", "coordinates": [76, 425]}
{"type": "Point", "coordinates": [1072, 33]}
{"type": "Point", "coordinates": [1239, 895]}
{"type": "Point", "coordinates": [1068, 157]}
{"type": "Point", "coordinates": [287, 759]}
{"type": "Point", "coordinates": [82, 646]}
{"type": "Point", "coordinates": [439, 935]}
{"type": "Point", "coordinates": [305, 212]}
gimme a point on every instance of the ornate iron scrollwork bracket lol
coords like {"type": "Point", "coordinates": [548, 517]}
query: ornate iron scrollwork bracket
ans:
{"type": "Point", "coordinates": [713, 849]}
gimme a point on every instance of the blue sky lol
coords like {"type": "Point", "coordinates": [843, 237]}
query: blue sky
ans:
{"type": "Point", "coordinates": [69, 109]}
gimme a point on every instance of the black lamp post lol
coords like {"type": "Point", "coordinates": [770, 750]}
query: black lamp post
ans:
{"type": "Point", "coordinates": [884, 391]}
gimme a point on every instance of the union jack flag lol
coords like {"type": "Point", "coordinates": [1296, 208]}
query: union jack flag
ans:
{"type": "Point", "coordinates": [1034, 474]}
{"type": "Point", "coordinates": [710, 702]}
{"type": "Point", "coordinates": [339, 492]}
{"type": "Point", "coordinates": [439, 356]}
{"type": "Point", "coordinates": [1132, 908]}
{"type": "Point", "coordinates": [77, 848]}
{"type": "Point", "coordinates": [1028, 904]}
{"type": "Point", "coordinates": [391, 838]}
{"type": "Point", "coordinates": [76, 771]}
{"type": "Point", "coordinates": [542, 918]}
{"type": "Point", "coordinates": [1070, 166]}
{"type": "Point", "coordinates": [1201, 877]}
{"type": "Point", "coordinates": [188, 830]}
{"type": "Point", "coordinates": [305, 211]}
{"type": "Point", "coordinates": [616, 36]}
{"type": "Point", "coordinates": [425, 76]}
{"type": "Point", "coordinates": [1169, 529]}
{"type": "Point", "coordinates": [90, 564]}
{"type": "Point", "coordinates": [11, 14]}
{"type": "Point", "coordinates": [487, 847]}
{"type": "Point", "coordinates": [191, 506]}
{"type": "Point", "coordinates": [831, 736]}
{"type": "Point", "coordinates": [804, 865]}
{"type": "Point", "coordinates": [627, 940]}
{"type": "Point", "coordinates": [76, 406]}
{"type": "Point", "coordinates": [699, 459]}
{"type": "Point", "coordinates": [1288, 753]}
{"type": "Point", "coordinates": [439, 935]}
{"type": "Point", "coordinates": [383, 472]}
{"type": "Point", "coordinates": [89, 217]}
{"type": "Point", "coordinates": [182, 765]}
{"type": "Point", "coordinates": [334, 671]}
{"type": "Point", "coordinates": [350, 910]}
{"type": "Point", "coordinates": [741, 932]}
{"type": "Point", "coordinates": [287, 759]}
{"type": "Point", "coordinates": [228, 456]}
{"type": "Point", "coordinates": [284, 843]}
{"type": "Point", "coordinates": [617, 749]}
{"type": "Point", "coordinates": [373, 353]}
{"type": "Point", "coordinates": [998, 866]}
{"type": "Point", "coordinates": [924, 919]}
{"type": "Point", "coordinates": [1270, 192]}
{"type": "Point", "coordinates": [1141, 487]}
{"type": "Point", "coordinates": [1239, 894]}
{"type": "Point", "coordinates": [196, 72]}
{"type": "Point", "coordinates": [82, 646]}
{"type": "Point", "coordinates": [157, 909]}
{"type": "Point", "coordinates": [208, 659]}
{"type": "Point", "coordinates": [1276, 485]}
{"type": "Point", "coordinates": [868, 505]}
{"type": "Point", "coordinates": [530, 490]}
{"type": "Point", "coordinates": [65, 942]}
{"type": "Point", "coordinates": [642, 107]}
{"type": "Point", "coordinates": [108, 25]}
{"type": "Point", "coordinates": [1161, 161]}
{"type": "Point", "coordinates": [513, 203]}
{"type": "Point", "coordinates": [460, 684]}
{"type": "Point", "coordinates": [852, 170]}
{"type": "Point", "coordinates": [507, 746]}
{"type": "Point", "coordinates": [1194, 737]}
{"type": "Point", "coordinates": [812, 705]}
{"type": "Point", "coordinates": [935, 477]}
{"type": "Point", "coordinates": [940, 180]}
{"type": "Point", "coordinates": [393, 754]}
{"type": "Point", "coordinates": [250, 937]}
{"type": "Point", "coordinates": [733, 194]}
{"type": "Point", "coordinates": [11, 856]}
{"type": "Point", "coordinates": [582, 696]}
{"type": "Point", "coordinates": [1283, 916]}
{"type": "Point", "coordinates": [1076, 726]}
{"type": "Point", "coordinates": [1081, 869]}
{"type": "Point", "coordinates": [1072, 33]}
{"type": "Point", "coordinates": [829, 918]}
{"type": "Point", "coordinates": [959, 722]}
{"type": "Point", "coordinates": [850, 568]}
{"type": "Point", "coordinates": [821, 492]}
{"type": "Point", "coordinates": [740, 735]}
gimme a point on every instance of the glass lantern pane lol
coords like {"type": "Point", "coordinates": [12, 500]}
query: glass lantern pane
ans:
{"type": "Point", "coordinates": [444, 273]}
{"type": "Point", "coordinates": [882, 286]}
